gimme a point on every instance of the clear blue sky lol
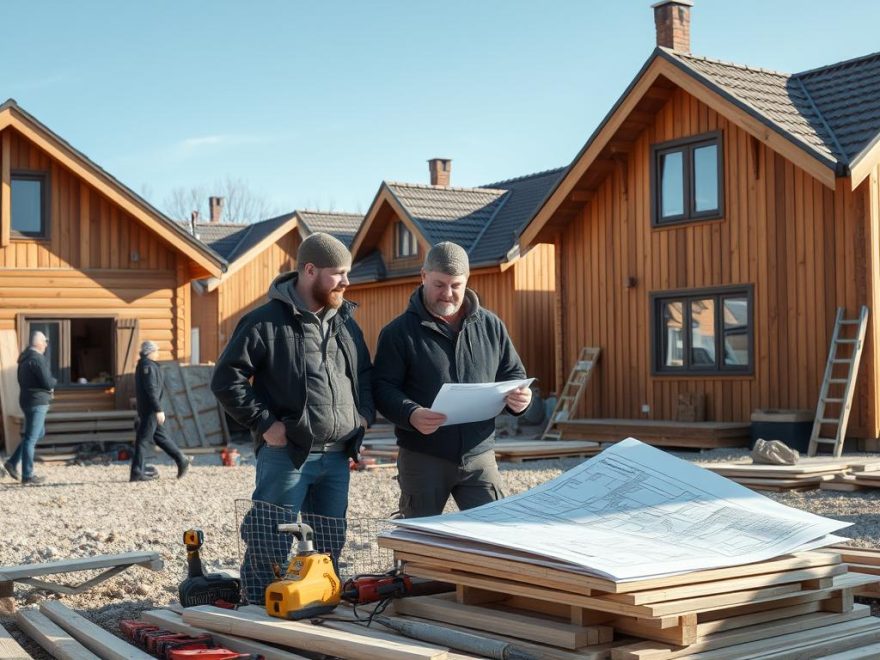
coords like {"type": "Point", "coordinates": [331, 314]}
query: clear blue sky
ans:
{"type": "Point", "coordinates": [313, 104]}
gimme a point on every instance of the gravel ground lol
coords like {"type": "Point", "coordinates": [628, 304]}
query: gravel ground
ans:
{"type": "Point", "coordinates": [85, 510]}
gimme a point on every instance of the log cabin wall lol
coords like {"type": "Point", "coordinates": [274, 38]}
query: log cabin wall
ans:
{"type": "Point", "coordinates": [803, 247]}
{"type": "Point", "coordinates": [96, 259]}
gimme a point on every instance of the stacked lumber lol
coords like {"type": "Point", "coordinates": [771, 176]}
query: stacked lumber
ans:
{"type": "Point", "coordinates": [99, 426]}
{"type": "Point", "coordinates": [807, 474]}
{"type": "Point", "coordinates": [513, 451]}
{"type": "Point", "coordinates": [802, 601]}
{"type": "Point", "coordinates": [866, 479]}
{"type": "Point", "coordinates": [861, 560]}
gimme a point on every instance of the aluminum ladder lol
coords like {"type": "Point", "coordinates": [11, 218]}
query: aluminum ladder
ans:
{"type": "Point", "coordinates": [572, 392]}
{"type": "Point", "coordinates": [838, 388]}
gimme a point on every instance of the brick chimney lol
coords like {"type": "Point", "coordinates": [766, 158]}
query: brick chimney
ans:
{"type": "Point", "coordinates": [215, 205]}
{"type": "Point", "coordinates": [672, 18]}
{"type": "Point", "coordinates": [441, 171]}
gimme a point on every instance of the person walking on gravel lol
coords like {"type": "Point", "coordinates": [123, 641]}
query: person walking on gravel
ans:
{"type": "Point", "coordinates": [149, 386]}
{"type": "Point", "coordinates": [36, 388]}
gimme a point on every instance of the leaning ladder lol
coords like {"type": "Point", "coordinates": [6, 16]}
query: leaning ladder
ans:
{"type": "Point", "coordinates": [843, 385]}
{"type": "Point", "coordinates": [572, 392]}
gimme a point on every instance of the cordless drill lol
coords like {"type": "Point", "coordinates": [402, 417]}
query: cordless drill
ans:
{"type": "Point", "coordinates": [200, 589]}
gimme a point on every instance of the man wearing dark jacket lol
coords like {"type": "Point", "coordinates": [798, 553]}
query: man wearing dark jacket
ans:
{"type": "Point", "coordinates": [444, 336]}
{"type": "Point", "coordinates": [149, 388]}
{"type": "Point", "coordinates": [36, 386]}
{"type": "Point", "coordinates": [296, 372]}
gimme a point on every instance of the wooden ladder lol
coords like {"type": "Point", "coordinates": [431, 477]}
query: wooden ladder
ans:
{"type": "Point", "coordinates": [842, 384]}
{"type": "Point", "coordinates": [572, 392]}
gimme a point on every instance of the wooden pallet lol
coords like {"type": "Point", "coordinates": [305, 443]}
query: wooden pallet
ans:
{"type": "Point", "coordinates": [714, 610]}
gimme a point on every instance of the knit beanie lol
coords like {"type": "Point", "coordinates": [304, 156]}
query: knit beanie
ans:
{"type": "Point", "coordinates": [148, 347]}
{"type": "Point", "coordinates": [323, 250]}
{"type": "Point", "coordinates": [447, 258]}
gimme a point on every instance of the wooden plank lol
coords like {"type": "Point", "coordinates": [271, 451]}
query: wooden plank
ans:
{"type": "Point", "coordinates": [5, 188]}
{"type": "Point", "coordinates": [725, 586]}
{"type": "Point", "coordinates": [192, 405]}
{"type": "Point", "coordinates": [90, 635]}
{"type": "Point", "coordinates": [522, 565]}
{"type": "Point", "coordinates": [9, 408]}
{"type": "Point", "coordinates": [305, 636]}
{"type": "Point", "coordinates": [149, 560]}
{"type": "Point", "coordinates": [57, 643]}
{"type": "Point", "coordinates": [172, 621]}
{"type": "Point", "coordinates": [723, 644]}
{"type": "Point", "coordinates": [531, 628]}
{"type": "Point", "coordinates": [9, 648]}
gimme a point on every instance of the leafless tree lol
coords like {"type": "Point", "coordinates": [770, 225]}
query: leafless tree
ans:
{"type": "Point", "coordinates": [241, 205]}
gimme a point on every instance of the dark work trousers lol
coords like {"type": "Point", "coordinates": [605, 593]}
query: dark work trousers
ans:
{"type": "Point", "coordinates": [426, 482]}
{"type": "Point", "coordinates": [148, 428]}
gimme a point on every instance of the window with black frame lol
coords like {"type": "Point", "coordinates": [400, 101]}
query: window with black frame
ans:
{"type": "Point", "coordinates": [28, 202]}
{"type": "Point", "coordinates": [687, 180]}
{"type": "Point", "coordinates": [705, 331]}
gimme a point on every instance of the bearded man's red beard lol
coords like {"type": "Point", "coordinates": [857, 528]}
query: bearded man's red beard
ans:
{"type": "Point", "coordinates": [328, 297]}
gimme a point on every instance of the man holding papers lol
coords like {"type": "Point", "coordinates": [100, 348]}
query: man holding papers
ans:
{"type": "Point", "coordinates": [444, 336]}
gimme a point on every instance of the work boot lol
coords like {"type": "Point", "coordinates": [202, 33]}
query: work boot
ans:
{"type": "Point", "coordinates": [183, 467]}
{"type": "Point", "coordinates": [11, 471]}
{"type": "Point", "coordinates": [33, 481]}
{"type": "Point", "coordinates": [146, 476]}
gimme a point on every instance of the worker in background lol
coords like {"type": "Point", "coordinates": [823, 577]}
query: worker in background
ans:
{"type": "Point", "coordinates": [36, 388]}
{"type": "Point", "coordinates": [444, 336]}
{"type": "Point", "coordinates": [296, 372]}
{"type": "Point", "coordinates": [149, 387]}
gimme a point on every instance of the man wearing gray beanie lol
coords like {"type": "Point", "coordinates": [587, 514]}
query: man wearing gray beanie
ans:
{"type": "Point", "coordinates": [444, 336]}
{"type": "Point", "coordinates": [149, 386]}
{"type": "Point", "coordinates": [296, 372]}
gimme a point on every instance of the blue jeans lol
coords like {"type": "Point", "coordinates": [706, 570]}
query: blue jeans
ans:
{"type": "Point", "coordinates": [34, 429]}
{"type": "Point", "coordinates": [318, 490]}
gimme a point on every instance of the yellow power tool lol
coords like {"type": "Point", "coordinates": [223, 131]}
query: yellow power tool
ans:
{"type": "Point", "coordinates": [310, 587]}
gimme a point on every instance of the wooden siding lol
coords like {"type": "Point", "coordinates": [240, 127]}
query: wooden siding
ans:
{"type": "Point", "coordinates": [535, 283]}
{"type": "Point", "coordinates": [244, 290]}
{"type": "Point", "coordinates": [801, 245]}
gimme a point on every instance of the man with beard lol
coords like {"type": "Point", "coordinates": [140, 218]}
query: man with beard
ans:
{"type": "Point", "coordinates": [296, 372]}
{"type": "Point", "coordinates": [444, 336]}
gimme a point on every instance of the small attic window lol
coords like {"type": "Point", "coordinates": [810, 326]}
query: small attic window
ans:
{"type": "Point", "coordinates": [686, 181]}
{"type": "Point", "coordinates": [405, 242]}
{"type": "Point", "coordinates": [28, 197]}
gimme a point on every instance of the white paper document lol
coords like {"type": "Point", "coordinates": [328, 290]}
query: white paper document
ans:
{"type": "Point", "coordinates": [634, 512]}
{"type": "Point", "coordinates": [473, 402]}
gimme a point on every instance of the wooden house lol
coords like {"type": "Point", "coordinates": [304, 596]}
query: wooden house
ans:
{"type": "Point", "coordinates": [710, 227]}
{"type": "Point", "coordinates": [88, 262]}
{"type": "Point", "coordinates": [405, 220]}
{"type": "Point", "coordinates": [256, 253]}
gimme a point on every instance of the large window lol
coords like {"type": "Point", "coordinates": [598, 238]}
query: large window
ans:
{"type": "Point", "coordinates": [29, 204]}
{"type": "Point", "coordinates": [686, 181]}
{"type": "Point", "coordinates": [80, 350]}
{"type": "Point", "coordinates": [406, 243]}
{"type": "Point", "coordinates": [705, 331]}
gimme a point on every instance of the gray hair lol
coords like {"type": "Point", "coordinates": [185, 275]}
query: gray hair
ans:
{"type": "Point", "coordinates": [448, 258]}
{"type": "Point", "coordinates": [38, 337]}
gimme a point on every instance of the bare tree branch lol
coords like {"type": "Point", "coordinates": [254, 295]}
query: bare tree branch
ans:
{"type": "Point", "coordinates": [241, 205]}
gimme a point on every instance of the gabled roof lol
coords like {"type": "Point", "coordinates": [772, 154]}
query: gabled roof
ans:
{"type": "Point", "coordinates": [235, 241]}
{"type": "Point", "coordinates": [833, 110]}
{"type": "Point", "coordinates": [12, 115]}
{"type": "Point", "coordinates": [485, 220]}
{"type": "Point", "coordinates": [826, 120]}
{"type": "Point", "coordinates": [343, 226]}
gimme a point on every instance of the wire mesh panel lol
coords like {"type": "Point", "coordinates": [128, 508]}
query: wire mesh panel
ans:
{"type": "Point", "coordinates": [264, 552]}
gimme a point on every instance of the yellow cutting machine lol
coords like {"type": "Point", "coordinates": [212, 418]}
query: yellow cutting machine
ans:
{"type": "Point", "coordinates": [310, 587]}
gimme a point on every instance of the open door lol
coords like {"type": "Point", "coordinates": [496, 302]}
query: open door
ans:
{"type": "Point", "coordinates": [127, 341]}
